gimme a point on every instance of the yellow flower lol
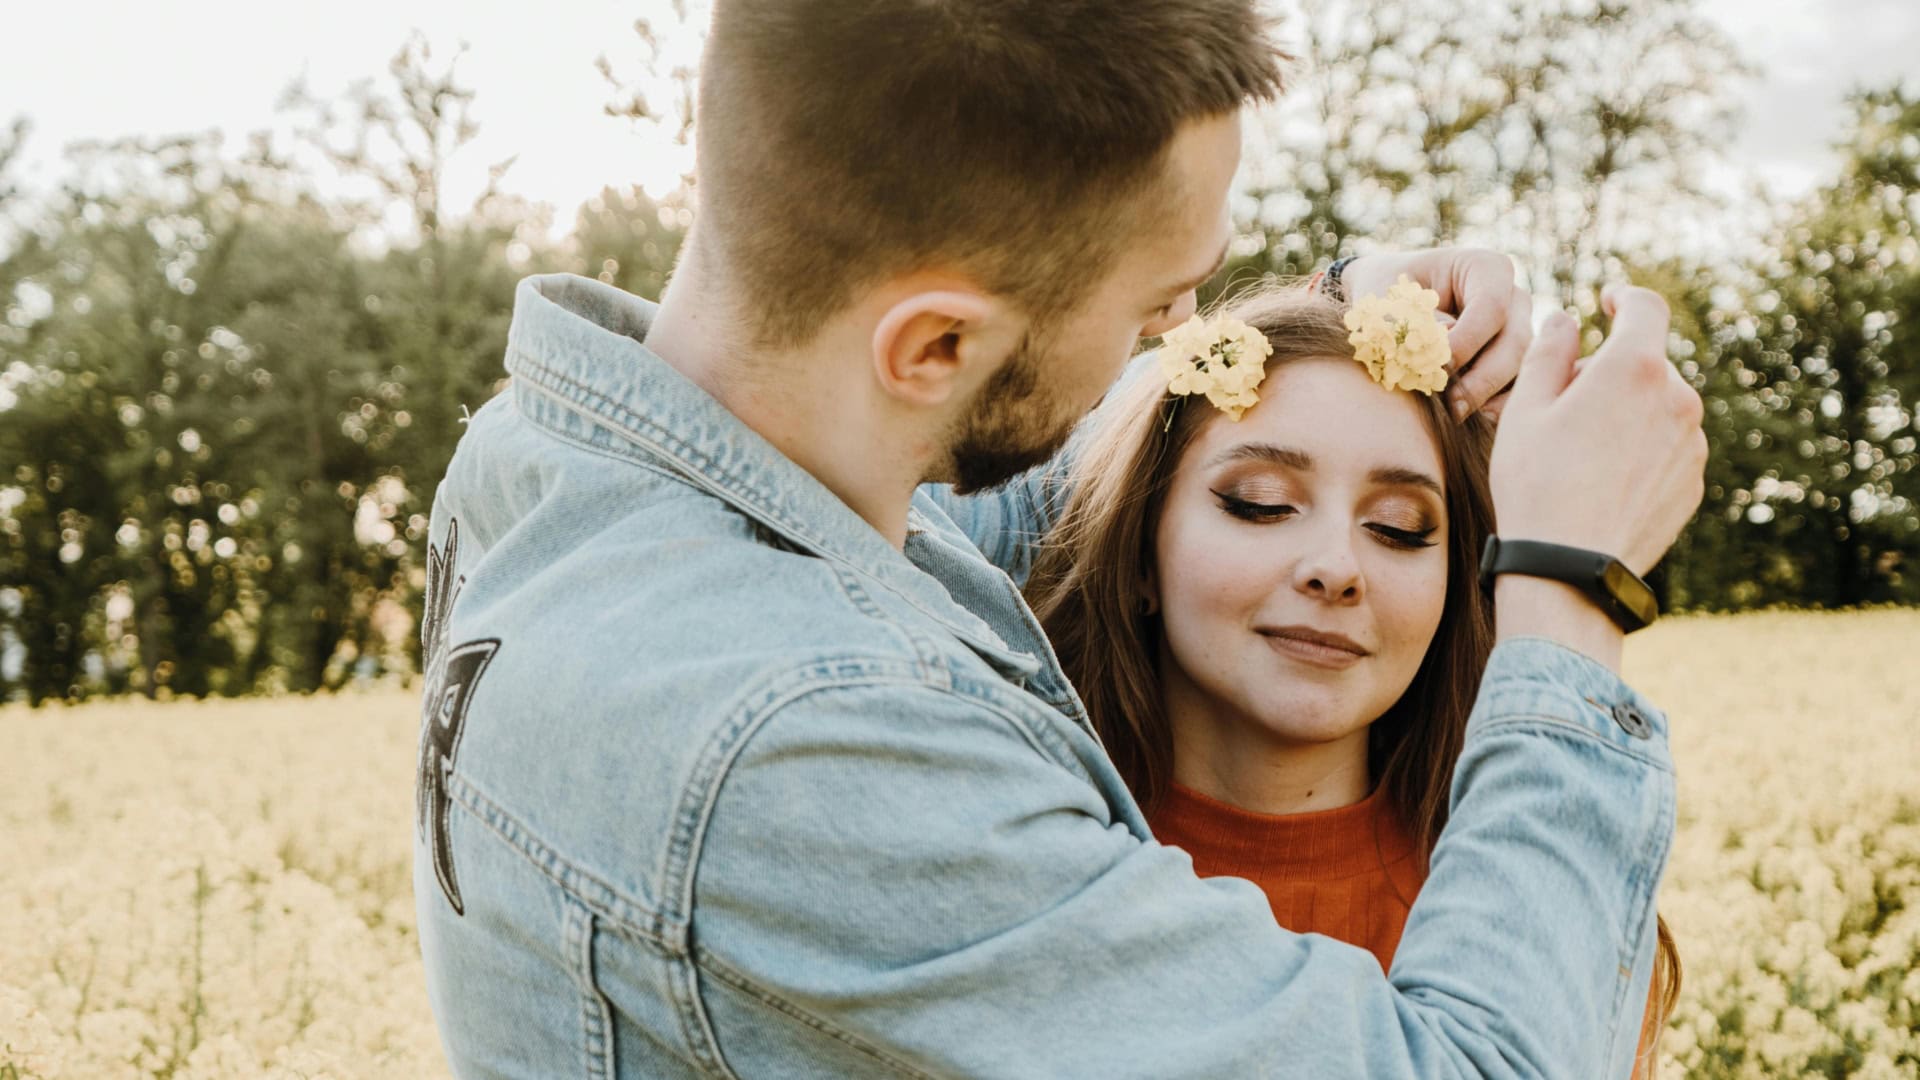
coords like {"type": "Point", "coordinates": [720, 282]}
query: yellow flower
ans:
{"type": "Point", "coordinates": [1224, 359]}
{"type": "Point", "coordinates": [1398, 339]}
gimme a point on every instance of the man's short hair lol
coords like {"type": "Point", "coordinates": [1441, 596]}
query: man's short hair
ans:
{"type": "Point", "coordinates": [841, 142]}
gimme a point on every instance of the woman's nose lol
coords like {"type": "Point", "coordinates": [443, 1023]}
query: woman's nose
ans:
{"type": "Point", "coordinates": [1329, 571]}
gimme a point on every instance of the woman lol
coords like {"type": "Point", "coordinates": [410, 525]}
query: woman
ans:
{"type": "Point", "coordinates": [1275, 624]}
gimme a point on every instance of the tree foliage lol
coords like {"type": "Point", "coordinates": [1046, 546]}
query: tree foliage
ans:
{"type": "Point", "coordinates": [226, 411]}
{"type": "Point", "coordinates": [225, 399]}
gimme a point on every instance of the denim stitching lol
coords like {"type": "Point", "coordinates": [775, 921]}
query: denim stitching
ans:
{"type": "Point", "coordinates": [723, 749]}
{"type": "Point", "coordinates": [683, 982]}
{"type": "Point", "coordinates": [932, 664]}
{"type": "Point", "coordinates": [605, 900]}
{"type": "Point", "coordinates": [1016, 710]}
{"type": "Point", "coordinates": [1643, 897]}
{"type": "Point", "coordinates": [1559, 725]}
{"type": "Point", "coordinates": [708, 473]}
{"type": "Point", "coordinates": [722, 972]}
{"type": "Point", "coordinates": [596, 1019]}
{"type": "Point", "coordinates": [1066, 702]}
{"type": "Point", "coordinates": [638, 426]}
{"type": "Point", "coordinates": [1639, 896]}
{"type": "Point", "coordinates": [717, 757]}
{"type": "Point", "coordinates": [546, 426]}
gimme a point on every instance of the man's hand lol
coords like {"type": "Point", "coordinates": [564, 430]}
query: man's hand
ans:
{"type": "Point", "coordinates": [1606, 454]}
{"type": "Point", "coordinates": [1493, 320]}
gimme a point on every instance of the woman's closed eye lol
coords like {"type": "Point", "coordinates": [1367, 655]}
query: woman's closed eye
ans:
{"type": "Point", "coordinates": [1249, 510]}
{"type": "Point", "coordinates": [1391, 535]}
{"type": "Point", "coordinates": [1403, 538]}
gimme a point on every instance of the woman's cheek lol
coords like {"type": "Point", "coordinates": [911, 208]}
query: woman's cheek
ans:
{"type": "Point", "coordinates": [1414, 599]}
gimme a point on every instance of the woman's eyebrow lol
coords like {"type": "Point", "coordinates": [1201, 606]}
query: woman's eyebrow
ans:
{"type": "Point", "coordinates": [1286, 456]}
{"type": "Point", "coordinates": [1293, 458]}
{"type": "Point", "coordinates": [1399, 477]}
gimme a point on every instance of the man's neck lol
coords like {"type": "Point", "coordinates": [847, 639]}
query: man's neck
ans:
{"type": "Point", "coordinates": [811, 403]}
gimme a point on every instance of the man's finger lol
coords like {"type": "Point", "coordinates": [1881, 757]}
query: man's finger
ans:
{"type": "Point", "coordinates": [1496, 405]}
{"type": "Point", "coordinates": [1484, 292]}
{"type": "Point", "coordinates": [1497, 365]}
{"type": "Point", "coordinates": [1548, 367]}
{"type": "Point", "coordinates": [1640, 321]}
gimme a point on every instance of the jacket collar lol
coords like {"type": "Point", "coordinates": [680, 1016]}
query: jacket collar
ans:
{"type": "Point", "coordinates": [576, 342]}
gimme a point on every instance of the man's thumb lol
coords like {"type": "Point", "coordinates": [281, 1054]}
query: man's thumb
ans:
{"type": "Point", "coordinates": [1548, 366]}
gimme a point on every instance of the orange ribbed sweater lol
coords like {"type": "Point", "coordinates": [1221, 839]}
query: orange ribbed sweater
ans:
{"type": "Point", "coordinates": [1350, 873]}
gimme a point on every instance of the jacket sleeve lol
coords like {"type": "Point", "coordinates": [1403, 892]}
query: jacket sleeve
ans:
{"type": "Point", "coordinates": [1008, 522]}
{"type": "Point", "coordinates": [906, 880]}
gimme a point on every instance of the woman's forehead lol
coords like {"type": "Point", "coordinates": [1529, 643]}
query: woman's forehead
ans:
{"type": "Point", "coordinates": [1334, 411]}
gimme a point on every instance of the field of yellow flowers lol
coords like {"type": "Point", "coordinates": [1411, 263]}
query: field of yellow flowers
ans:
{"type": "Point", "coordinates": [222, 889]}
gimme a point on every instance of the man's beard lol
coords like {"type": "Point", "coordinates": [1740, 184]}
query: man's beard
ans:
{"type": "Point", "coordinates": [1012, 426]}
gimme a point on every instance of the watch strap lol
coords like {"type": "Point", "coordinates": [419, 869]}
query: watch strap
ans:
{"type": "Point", "coordinates": [1626, 599]}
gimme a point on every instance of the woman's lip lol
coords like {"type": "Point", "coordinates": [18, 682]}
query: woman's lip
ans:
{"type": "Point", "coordinates": [1313, 651]}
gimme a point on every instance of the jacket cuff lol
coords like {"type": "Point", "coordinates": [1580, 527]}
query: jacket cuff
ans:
{"type": "Point", "coordinates": [1531, 679]}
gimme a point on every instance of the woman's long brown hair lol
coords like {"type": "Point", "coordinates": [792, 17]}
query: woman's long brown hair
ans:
{"type": "Point", "coordinates": [1087, 587]}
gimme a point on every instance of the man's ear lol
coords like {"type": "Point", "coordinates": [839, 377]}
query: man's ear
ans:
{"type": "Point", "coordinates": [934, 344]}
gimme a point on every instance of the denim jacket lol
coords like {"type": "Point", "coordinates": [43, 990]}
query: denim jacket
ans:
{"type": "Point", "coordinates": [716, 782]}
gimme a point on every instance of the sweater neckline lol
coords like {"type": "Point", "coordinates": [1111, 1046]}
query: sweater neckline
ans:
{"type": "Point", "coordinates": [1363, 837]}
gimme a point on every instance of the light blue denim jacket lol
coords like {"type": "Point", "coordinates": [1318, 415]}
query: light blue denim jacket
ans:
{"type": "Point", "coordinates": [715, 782]}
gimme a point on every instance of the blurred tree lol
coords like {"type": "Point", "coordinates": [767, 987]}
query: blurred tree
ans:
{"type": "Point", "coordinates": [654, 86]}
{"type": "Point", "coordinates": [436, 306]}
{"type": "Point", "coordinates": [1814, 373]}
{"type": "Point", "coordinates": [627, 239]}
{"type": "Point", "coordinates": [1568, 132]}
{"type": "Point", "coordinates": [226, 399]}
{"type": "Point", "coordinates": [114, 436]}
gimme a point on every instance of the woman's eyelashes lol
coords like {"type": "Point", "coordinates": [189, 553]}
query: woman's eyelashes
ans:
{"type": "Point", "coordinates": [1391, 535]}
{"type": "Point", "coordinates": [1404, 538]}
{"type": "Point", "coordinates": [1249, 510]}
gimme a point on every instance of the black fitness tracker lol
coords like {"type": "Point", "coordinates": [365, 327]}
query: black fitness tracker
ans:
{"type": "Point", "coordinates": [1617, 590]}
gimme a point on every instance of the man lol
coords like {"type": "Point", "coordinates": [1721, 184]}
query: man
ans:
{"type": "Point", "coordinates": [738, 758]}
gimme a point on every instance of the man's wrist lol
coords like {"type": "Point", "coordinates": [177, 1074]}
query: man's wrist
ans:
{"type": "Point", "coordinates": [1539, 607]}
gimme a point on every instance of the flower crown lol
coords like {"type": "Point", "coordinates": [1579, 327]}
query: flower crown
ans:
{"type": "Point", "coordinates": [1396, 337]}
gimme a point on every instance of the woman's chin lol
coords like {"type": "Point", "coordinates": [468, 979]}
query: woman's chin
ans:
{"type": "Point", "coordinates": [1314, 723]}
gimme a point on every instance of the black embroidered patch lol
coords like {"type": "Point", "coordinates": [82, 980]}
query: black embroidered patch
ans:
{"type": "Point", "coordinates": [451, 677]}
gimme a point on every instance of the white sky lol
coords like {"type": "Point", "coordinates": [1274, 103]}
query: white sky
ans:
{"type": "Point", "coordinates": [108, 68]}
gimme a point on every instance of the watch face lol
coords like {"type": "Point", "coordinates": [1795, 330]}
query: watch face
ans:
{"type": "Point", "coordinates": [1631, 592]}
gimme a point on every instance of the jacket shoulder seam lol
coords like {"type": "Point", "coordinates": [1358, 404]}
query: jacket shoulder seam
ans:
{"type": "Point", "coordinates": [719, 970]}
{"type": "Point", "coordinates": [600, 897]}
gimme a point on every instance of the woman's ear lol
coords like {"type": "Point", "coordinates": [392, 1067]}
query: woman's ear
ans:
{"type": "Point", "coordinates": [934, 344]}
{"type": "Point", "coordinates": [1149, 600]}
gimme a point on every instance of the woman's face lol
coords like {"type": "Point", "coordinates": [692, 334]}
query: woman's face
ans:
{"type": "Point", "coordinates": [1301, 556]}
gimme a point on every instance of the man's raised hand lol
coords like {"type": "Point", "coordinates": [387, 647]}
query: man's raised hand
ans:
{"type": "Point", "coordinates": [1606, 454]}
{"type": "Point", "coordinates": [1493, 318]}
